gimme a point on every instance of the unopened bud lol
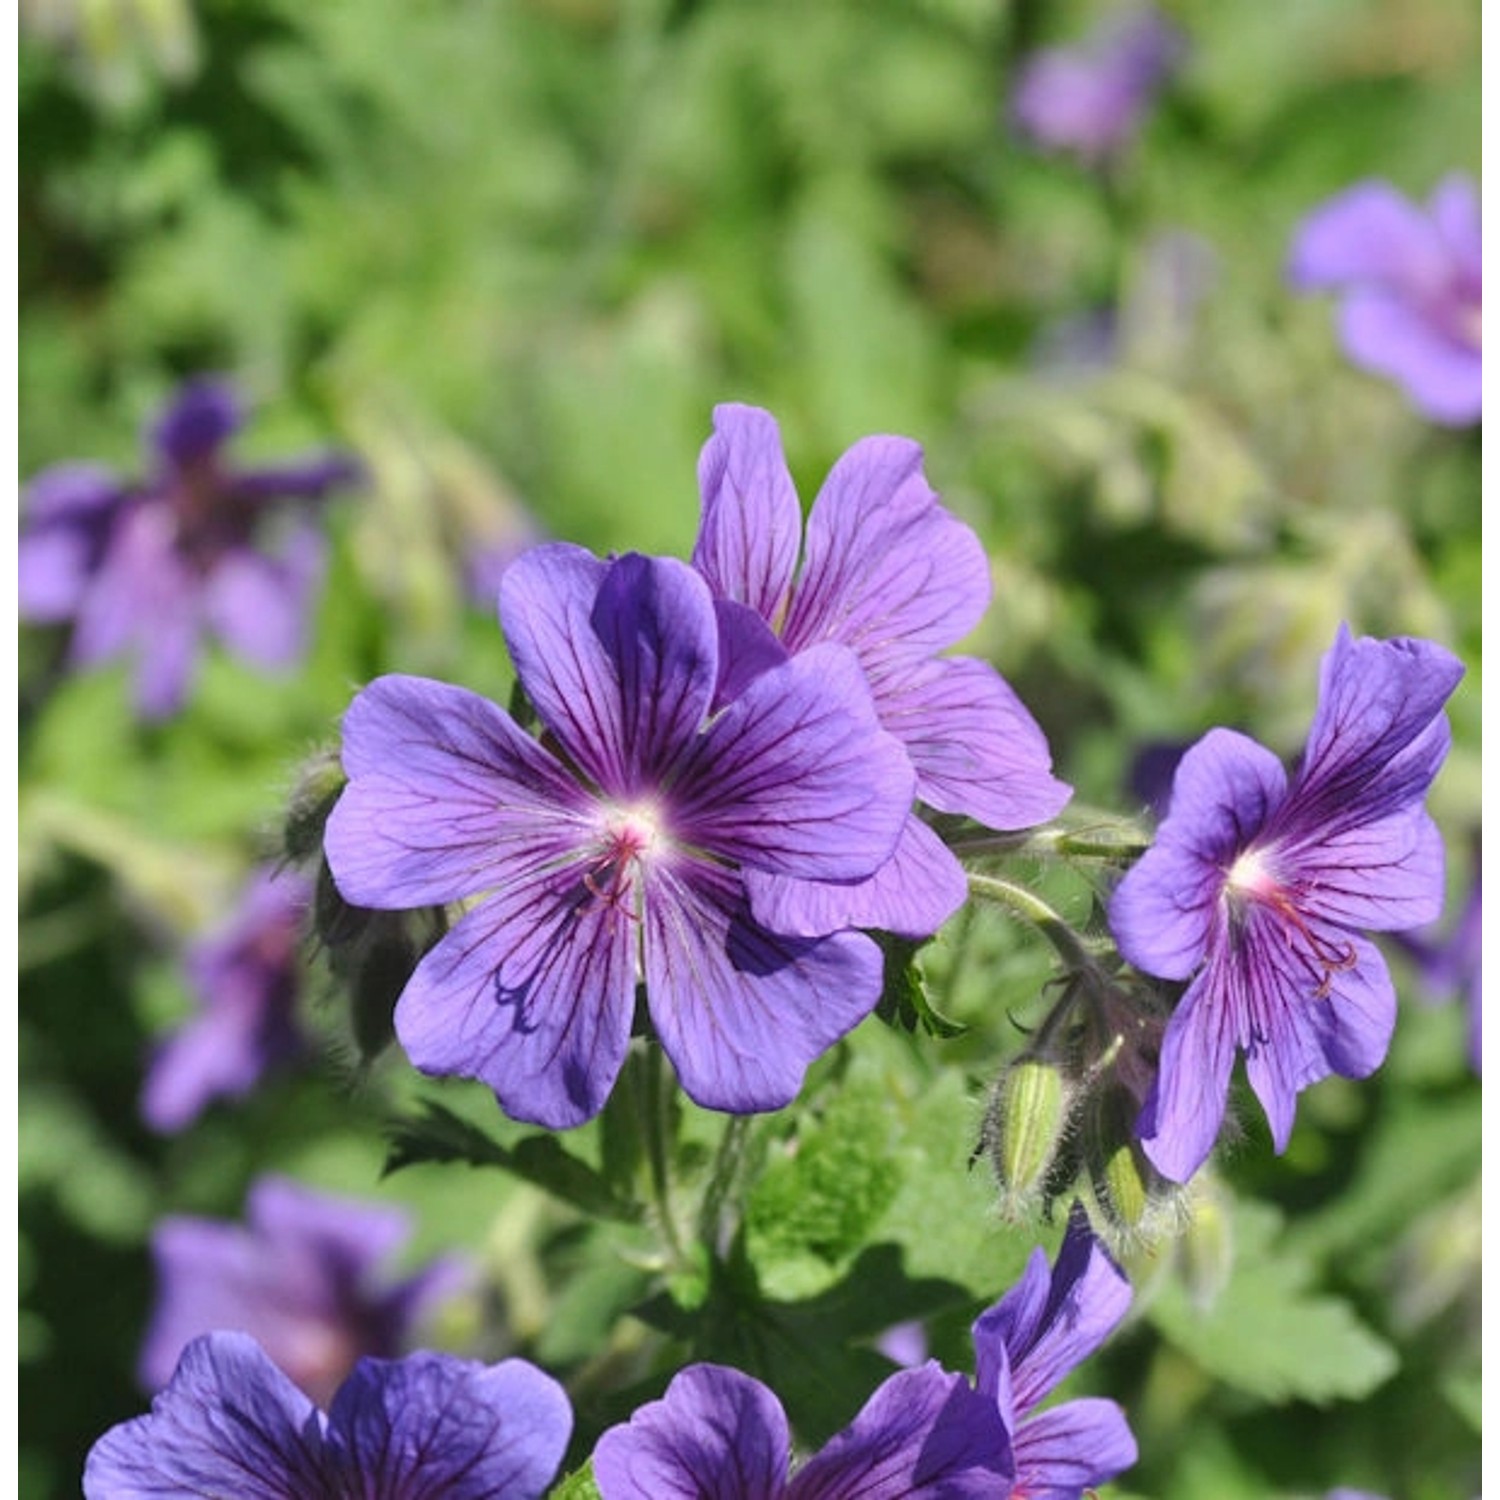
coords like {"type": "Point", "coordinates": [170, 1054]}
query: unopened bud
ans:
{"type": "Point", "coordinates": [1024, 1128]}
{"type": "Point", "coordinates": [1133, 1200]}
{"type": "Point", "coordinates": [379, 975]}
{"type": "Point", "coordinates": [1206, 1250]}
{"type": "Point", "coordinates": [319, 783]}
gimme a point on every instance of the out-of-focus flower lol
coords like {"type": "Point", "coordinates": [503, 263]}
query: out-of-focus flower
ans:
{"type": "Point", "coordinates": [1449, 959]}
{"type": "Point", "coordinates": [1089, 100]}
{"type": "Point", "coordinates": [1412, 288]}
{"type": "Point", "coordinates": [231, 1423]}
{"type": "Point", "coordinates": [303, 1276]}
{"type": "Point", "coordinates": [245, 978]}
{"type": "Point", "coordinates": [145, 570]}
{"type": "Point", "coordinates": [896, 578]}
{"type": "Point", "coordinates": [1258, 888]}
{"type": "Point", "coordinates": [618, 850]}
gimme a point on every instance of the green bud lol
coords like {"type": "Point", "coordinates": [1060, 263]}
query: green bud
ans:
{"type": "Point", "coordinates": [1206, 1250]}
{"type": "Point", "coordinates": [1024, 1128]}
{"type": "Point", "coordinates": [1134, 1204]}
{"type": "Point", "coordinates": [379, 975]}
{"type": "Point", "coordinates": [319, 784]}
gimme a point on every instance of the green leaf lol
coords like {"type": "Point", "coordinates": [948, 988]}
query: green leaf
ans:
{"type": "Point", "coordinates": [1270, 1333]}
{"type": "Point", "coordinates": [904, 1001]}
{"type": "Point", "coordinates": [579, 1485]}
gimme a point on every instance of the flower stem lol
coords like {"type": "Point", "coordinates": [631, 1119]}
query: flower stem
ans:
{"type": "Point", "coordinates": [728, 1159]}
{"type": "Point", "coordinates": [1030, 907]}
{"type": "Point", "coordinates": [656, 1110]}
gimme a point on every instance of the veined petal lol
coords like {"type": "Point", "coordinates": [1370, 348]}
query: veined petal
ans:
{"type": "Point", "coordinates": [751, 529]}
{"type": "Point", "coordinates": [742, 1012]}
{"type": "Point", "coordinates": [445, 793]}
{"type": "Point", "coordinates": [923, 1435]}
{"type": "Point", "coordinates": [1064, 1452]}
{"type": "Point", "coordinates": [796, 776]}
{"type": "Point", "coordinates": [975, 747]}
{"type": "Point", "coordinates": [229, 1423]}
{"type": "Point", "coordinates": [1382, 877]}
{"type": "Point", "coordinates": [912, 894]}
{"type": "Point", "coordinates": [715, 1433]}
{"type": "Point", "coordinates": [889, 572]}
{"type": "Point", "coordinates": [1370, 232]}
{"type": "Point", "coordinates": [1165, 909]}
{"type": "Point", "coordinates": [1182, 1115]}
{"type": "Point", "coordinates": [433, 1427]}
{"type": "Point", "coordinates": [747, 647]}
{"type": "Point", "coordinates": [532, 992]}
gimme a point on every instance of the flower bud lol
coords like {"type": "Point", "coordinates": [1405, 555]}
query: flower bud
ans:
{"type": "Point", "coordinates": [1024, 1128]}
{"type": "Point", "coordinates": [1134, 1203]}
{"type": "Point", "coordinates": [1206, 1250]}
{"type": "Point", "coordinates": [319, 783]}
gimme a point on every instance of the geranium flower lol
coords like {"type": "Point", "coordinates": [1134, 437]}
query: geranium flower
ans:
{"type": "Point", "coordinates": [1412, 288]}
{"type": "Point", "coordinates": [893, 576]}
{"type": "Point", "coordinates": [245, 977]}
{"type": "Point", "coordinates": [231, 1423]}
{"type": "Point", "coordinates": [616, 850]}
{"type": "Point", "coordinates": [305, 1275]}
{"type": "Point", "coordinates": [1030, 1341]}
{"type": "Point", "coordinates": [145, 570]}
{"type": "Point", "coordinates": [1258, 887]}
{"type": "Point", "coordinates": [1090, 99]}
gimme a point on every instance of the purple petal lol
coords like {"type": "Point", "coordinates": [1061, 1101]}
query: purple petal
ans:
{"type": "Point", "coordinates": [259, 605]}
{"type": "Point", "coordinates": [1455, 210]}
{"type": "Point", "coordinates": [229, 1423]}
{"type": "Point", "coordinates": [975, 747]}
{"type": "Point", "coordinates": [1370, 232]}
{"type": "Point", "coordinates": [741, 1012]}
{"type": "Point", "coordinates": [1182, 1116]}
{"type": "Point", "coordinates": [346, 1235]}
{"type": "Point", "coordinates": [70, 492]}
{"type": "Point", "coordinates": [888, 572]}
{"type": "Point", "coordinates": [1382, 877]}
{"type": "Point", "coordinates": [1164, 910]}
{"type": "Point", "coordinates": [1065, 1452]}
{"type": "Point", "coordinates": [308, 479]}
{"type": "Point", "coordinates": [924, 1434]}
{"type": "Point", "coordinates": [201, 418]}
{"type": "Point", "coordinates": [445, 794]}
{"type": "Point", "coordinates": [796, 776]}
{"type": "Point", "coordinates": [912, 894]}
{"type": "Point", "coordinates": [221, 1055]}
{"type": "Point", "coordinates": [752, 521]}
{"type": "Point", "coordinates": [1441, 374]}
{"type": "Point", "coordinates": [747, 647]}
{"type": "Point", "coordinates": [54, 566]}
{"type": "Point", "coordinates": [533, 992]}
{"type": "Point", "coordinates": [715, 1433]}
{"type": "Point", "coordinates": [433, 1425]}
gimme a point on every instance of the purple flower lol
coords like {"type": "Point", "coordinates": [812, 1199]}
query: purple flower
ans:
{"type": "Point", "coordinates": [1257, 889]}
{"type": "Point", "coordinates": [144, 570]}
{"type": "Point", "coordinates": [303, 1276]}
{"type": "Point", "coordinates": [718, 1433]}
{"type": "Point", "coordinates": [231, 1423]}
{"type": "Point", "coordinates": [893, 576]}
{"type": "Point", "coordinates": [1025, 1345]}
{"type": "Point", "coordinates": [1449, 960]}
{"type": "Point", "coordinates": [1090, 99]}
{"type": "Point", "coordinates": [1411, 283]}
{"type": "Point", "coordinates": [245, 977]}
{"type": "Point", "coordinates": [617, 849]}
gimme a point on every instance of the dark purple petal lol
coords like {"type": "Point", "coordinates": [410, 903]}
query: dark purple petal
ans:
{"type": "Point", "coordinates": [345, 1234]}
{"type": "Point", "coordinates": [752, 521]}
{"type": "Point", "coordinates": [259, 606]}
{"type": "Point", "coordinates": [747, 647]}
{"type": "Point", "coordinates": [1183, 1114]}
{"type": "Point", "coordinates": [533, 992]}
{"type": "Point", "coordinates": [796, 777]}
{"type": "Point", "coordinates": [444, 794]}
{"type": "Point", "coordinates": [307, 479]}
{"type": "Point", "coordinates": [1442, 375]}
{"type": "Point", "coordinates": [888, 572]}
{"type": "Point", "coordinates": [1063, 1453]}
{"type": "Point", "coordinates": [1369, 232]}
{"type": "Point", "coordinates": [70, 492]}
{"type": "Point", "coordinates": [975, 747]}
{"type": "Point", "coordinates": [1164, 910]}
{"type": "Point", "coordinates": [924, 1434]}
{"type": "Point", "coordinates": [716, 1433]}
{"type": "Point", "coordinates": [229, 1423]}
{"type": "Point", "coordinates": [912, 894]}
{"type": "Point", "coordinates": [741, 1012]}
{"type": "Point", "coordinates": [201, 418]}
{"type": "Point", "coordinates": [432, 1427]}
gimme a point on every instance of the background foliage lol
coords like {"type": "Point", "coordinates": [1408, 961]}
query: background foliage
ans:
{"type": "Point", "coordinates": [511, 254]}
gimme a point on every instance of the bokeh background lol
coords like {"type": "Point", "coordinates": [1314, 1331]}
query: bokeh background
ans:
{"type": "Point", "coordinates": [510, 253]}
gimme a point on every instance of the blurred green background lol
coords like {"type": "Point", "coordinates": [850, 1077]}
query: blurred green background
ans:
{"type": "Point", "coordinates": [511, 252]}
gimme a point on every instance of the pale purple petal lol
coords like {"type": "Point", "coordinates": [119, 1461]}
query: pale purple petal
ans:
{"type": "Point", "coordinates": [796, 776]}
{"type": "Point", "coordinates": [1369, 232]}
{"type": "Point", "coordinates": [229, 1423]}
{"type": "Point", "coordinates": [888, 572]}
{"type": "Point", "coordinates": [444, 794]}
{"type": "Point", "coordinates": [715, 1433]}
{"type": "Point", "coordinates": [1066, 1452]}
{"type": "Point", "coordinates": [975, 746]}
{"type": "Point", "coordinates": [433, 1427]}
{"type": "Point", "coordinates": [923, 1435]}
{"type": "Point", "coordinates": [741, 1012]}
{"type": "Point", "coordinates": [222, 1054]}
{"type": "Point", "coordinates": [1442, 375]}
{"type": "Point", "coordinates": [53, 568]}
{"type": "Point", "coordinates": [1163, 911]}
{"type": "Point", "coordinates": [912, 894]}
{"type": "Point", "coordinates": [532, 992]}
{"type": "Point", "coordinates": [348, 1235]}
{"type": "Point", "coordinates": [752, 521]}
{"type": "Point", "coordinates": [203, 415]}
{"type": "Point", "coordinates": [139, 577]}
{"type": "Point", "coordinates": [260, 605]}
{"type": "Point", "coordinates": [1183, 1114]}
{"type": "Point", "coordinates": [1454, 206]}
